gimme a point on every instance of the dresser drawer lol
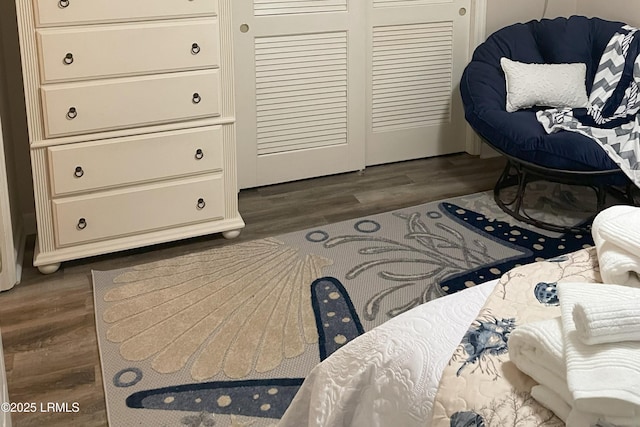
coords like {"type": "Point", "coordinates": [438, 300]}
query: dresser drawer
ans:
{"type": "Point", "coordinates": [136, 210]}
{"type": "Point", "coordinates": [78, 108]}
{"type": "Point", "coordinates": [70, 12]}
{"type": "Point", "coordinates": [116, 50]}
{"type": "Point", "coordinates": [116, 162]}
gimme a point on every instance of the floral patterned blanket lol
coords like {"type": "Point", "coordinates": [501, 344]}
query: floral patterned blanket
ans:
{"type": "Point", "coordinates": [481, 386]}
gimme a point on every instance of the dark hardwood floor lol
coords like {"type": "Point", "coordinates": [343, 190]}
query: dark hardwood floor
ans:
{"type": "Point", "coordinates": [47, 322]}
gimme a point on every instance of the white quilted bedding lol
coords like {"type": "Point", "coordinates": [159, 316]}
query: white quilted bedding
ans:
{"type": "Point", "coordinates": [390, 375]}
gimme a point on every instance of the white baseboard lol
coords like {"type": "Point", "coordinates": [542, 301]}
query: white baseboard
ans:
{"type": "Point", "coordinates": [487, 152]}
{"type": "Point", "coordinates": [13, 274]}
{"type": "Point", "coordinates": [473, 142]}
{"type": "Point", "coordinates": [28, 228]}
{"type": "Point", "coordinates": [22, 243]}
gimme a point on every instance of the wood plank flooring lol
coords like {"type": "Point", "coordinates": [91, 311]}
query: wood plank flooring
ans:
{"type": "Point", "coordinates": [47, 322]}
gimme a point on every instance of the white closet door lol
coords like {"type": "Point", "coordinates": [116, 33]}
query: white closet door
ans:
{"type": "Point", "coordinates": [8, 268]}
{"type": "Point", "coordinates": [300, 88]}
{"type": "Point", "coordinates": [417, 52]}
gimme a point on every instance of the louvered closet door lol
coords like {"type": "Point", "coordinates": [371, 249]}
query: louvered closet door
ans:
{"type": "Point", "coordinates": [300, 88]}
{"type": "Point", "coordinates": [416, 54]}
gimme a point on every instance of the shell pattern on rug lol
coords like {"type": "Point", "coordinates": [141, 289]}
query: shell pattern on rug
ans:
{"type": "Point", "coordinates": [234, 309]}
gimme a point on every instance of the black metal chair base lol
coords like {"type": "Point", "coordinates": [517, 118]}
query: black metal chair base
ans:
{"type": "Point", "coordinates": [515, 207]}
{"type": "Point", "coordinates": [519, 174]}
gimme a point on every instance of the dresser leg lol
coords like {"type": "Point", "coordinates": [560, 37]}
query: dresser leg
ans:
{"type": "Point", "coordinates": [231, 234]}
{"type": "Point", "coordinates": [49, 268]}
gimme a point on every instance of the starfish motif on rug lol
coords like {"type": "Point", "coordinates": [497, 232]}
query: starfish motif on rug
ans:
{"type": "Point", "coordinates": [534, 246]}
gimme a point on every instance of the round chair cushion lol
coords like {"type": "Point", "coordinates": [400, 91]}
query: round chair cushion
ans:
{"type": "Point", "coordinates": [518, 134]}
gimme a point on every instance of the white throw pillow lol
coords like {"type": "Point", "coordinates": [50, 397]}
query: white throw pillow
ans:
{"type": "Point", "coordinates": [544, 85]}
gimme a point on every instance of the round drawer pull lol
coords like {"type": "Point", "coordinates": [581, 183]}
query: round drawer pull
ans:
{"type": "Point", "coordinates": [196, 98]}
{"type": "Point", "coordinates": [68, 59]}
{"type": "Point", "coordinates": [63, 4]}
{"type": "Point", "coordinates": [195, 49]}
{"type": "Point", "coordinates": [79, 173]}
{"type": "Point", "coordinates": [82, 224]}
{"type": "Point", "coordinates": [72, 113]}
{"type": "Point", "coordinates": [201, 204]}
{"type": "Point", "coordinates": [199, 154]}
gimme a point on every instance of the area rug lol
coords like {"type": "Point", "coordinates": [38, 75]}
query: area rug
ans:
{"type": "Point", "coordinates": [225, 336]}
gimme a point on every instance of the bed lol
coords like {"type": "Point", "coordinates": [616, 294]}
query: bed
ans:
{"type": "Point", "coordinates": [506, 352]}
{"type": "Point", "coordinates": [432, 366]}
{"type": "Point", "coordinates": [390, 375]}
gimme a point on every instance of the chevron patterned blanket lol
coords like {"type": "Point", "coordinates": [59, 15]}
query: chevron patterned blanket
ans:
{"type": "Point", "coordinates": [611, 118]}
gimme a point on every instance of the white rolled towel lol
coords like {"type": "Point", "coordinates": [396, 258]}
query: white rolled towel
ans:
{"type": "Point", "coordinates": [616, 234]}
{"type": "Point", "coordinates": [552, 401]}
{"type": "Point", "coordinates": [538, 351]}
{"type": "Point", "coordinates": [563, 410]}
{"type": "Point", "coordinates": [604, 378]}
{"type": "Point", "coordinates": [607, 314]}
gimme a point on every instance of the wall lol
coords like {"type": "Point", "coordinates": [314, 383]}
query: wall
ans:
{"type": "Point", "coordinates": [504, 12]}
{"type": "Point", "coordinates": [501, 13]}
{"type": "Point", "coordinates": [13, 114]}
{"type": "Point", "coordinates": [617, 10]}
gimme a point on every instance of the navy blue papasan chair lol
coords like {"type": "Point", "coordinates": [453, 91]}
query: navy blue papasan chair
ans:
{"type": "Point", "coordinates": [532, 154]}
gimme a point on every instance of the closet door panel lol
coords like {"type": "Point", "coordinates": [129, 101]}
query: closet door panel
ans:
{"type": "Point", "coordinates": [327, 86]}
{"type": "Point", "coordinates": [299, 89]}
{"type": "Point", "coordinates": [417, 52]}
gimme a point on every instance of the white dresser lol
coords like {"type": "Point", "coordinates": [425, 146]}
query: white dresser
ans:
{"type": "Point", "coordinates": [130, 110]}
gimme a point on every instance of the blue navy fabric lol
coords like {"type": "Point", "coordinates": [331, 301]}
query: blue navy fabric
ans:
{"type": "Point", "coordinates": [550, 41]}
